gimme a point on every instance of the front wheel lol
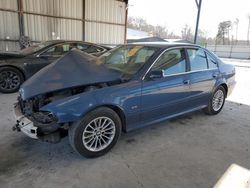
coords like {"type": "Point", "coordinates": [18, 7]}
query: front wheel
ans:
{"type": "Point", "coordinates": [96, 133]}
{"type": "Point", "coordinates": [216, 102]}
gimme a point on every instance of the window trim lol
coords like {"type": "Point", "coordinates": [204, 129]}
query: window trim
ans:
{"type": "Point", "coordinates": [166, 50]}
{"type": "Point", "coordinates": [188, 66]}
{"type": "Point", "coordinates": [209, 56]}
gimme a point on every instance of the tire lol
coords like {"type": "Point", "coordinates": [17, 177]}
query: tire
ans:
{"type": "Point", "coordinates": [10, 79]}
{"type": "Point", "coordinates": [215, 109]}
{"type": "Point", "coordinates": [86, 147]}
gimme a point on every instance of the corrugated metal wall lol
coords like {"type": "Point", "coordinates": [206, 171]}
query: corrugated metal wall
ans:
{"type": "Point", "coordinates": [104, 33]}
{"type": "Point", "coordinates": [9, 28]}
{"type": "Point", "coordinates": [99, 15]}
{"type": "Point", "coordinates": [61, 8]}
{"type": "Point", "coordinates": [41, 28]}
{"type": "Point", "coordinates": [8, 4]}
{"type": "Point", "coordinates": [103, 21]}
{"type": "Point", "coordinates": [61, 26]}
{"type": "Point", "coordinates": [105, 10]}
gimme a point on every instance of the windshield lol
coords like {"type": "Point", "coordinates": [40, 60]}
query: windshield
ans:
{"type": "Point", "coordinates": [35, 48]}
{"type": "Point", "coordinates": [128, 59]}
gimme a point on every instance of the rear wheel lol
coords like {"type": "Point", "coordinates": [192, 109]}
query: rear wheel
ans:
{"type": "Point", "coordinates": [216, 102]}
{"type": "Point", "coordinates": [96, 133]}
{"type": "Point", "coordinates": [10, 79]}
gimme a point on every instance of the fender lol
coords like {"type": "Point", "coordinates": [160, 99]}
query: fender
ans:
{"type": "Point", "coordinates": [71, 108]}
{"type": "Point", "coordinates": [75, 107]}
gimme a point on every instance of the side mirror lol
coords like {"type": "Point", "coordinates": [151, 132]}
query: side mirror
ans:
{"type": "Point", "coordinates": [154, 74]}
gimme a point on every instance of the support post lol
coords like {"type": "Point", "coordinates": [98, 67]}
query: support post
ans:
{"type": "Point", "coordinates": [83, 20]}
{"type": "Point", "coordinates": [20, 17]}
{"type": "Point", "coordinates": [198, 4]}
{"type": "Point", "coordinates": [126, 22]}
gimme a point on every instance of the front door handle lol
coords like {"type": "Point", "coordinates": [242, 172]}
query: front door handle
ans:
{"type": "Point", "coordinates": [215, 75]}
{"type": "Point", "coordinates": [186, 82]}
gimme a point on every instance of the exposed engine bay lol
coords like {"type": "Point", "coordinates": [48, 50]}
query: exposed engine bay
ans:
{"type": "Point", "coordinates": [46, 121]}
{"type": "Point", "coordinates": [31, 106]}
{"type": "Point", "coordinates": [73, 74]}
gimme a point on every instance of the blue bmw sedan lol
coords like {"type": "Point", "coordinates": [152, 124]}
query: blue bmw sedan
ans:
{"type": "Point", "coordinates": [92, 100]}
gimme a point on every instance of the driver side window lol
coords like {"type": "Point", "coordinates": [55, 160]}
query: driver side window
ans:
{"type": "Point", "coordinates": [171, 62]}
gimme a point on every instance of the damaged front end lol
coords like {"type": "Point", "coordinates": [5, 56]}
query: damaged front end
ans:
{"type": "Point", "coordinates": [37, 124]}
{"type": "Point", "coordinates": [74, 74]}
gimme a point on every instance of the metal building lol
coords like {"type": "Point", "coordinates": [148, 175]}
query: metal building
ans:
{"type": "Point", "coordinates": [98, 21]}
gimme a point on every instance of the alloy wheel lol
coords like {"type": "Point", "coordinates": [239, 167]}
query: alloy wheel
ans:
{"type": "Point", "coordinates": [9, 80]}
{"type": "Point", "coordinates": [218, 100]}
{"type": "Point", "coordinates": [98, 134]}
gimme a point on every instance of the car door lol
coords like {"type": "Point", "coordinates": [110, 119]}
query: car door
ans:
{"type": "Point", "coordinates": [46, 57]}
{"type": "Point", "coordinates": [167, 95]}
{"type": "Point", "coordinates": [203, 75]}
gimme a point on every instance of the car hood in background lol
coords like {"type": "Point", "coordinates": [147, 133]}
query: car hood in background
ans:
{"type": "Point", "coordinates": [9, 55]}
{"type": "Point", "coordinates": [74, 69]}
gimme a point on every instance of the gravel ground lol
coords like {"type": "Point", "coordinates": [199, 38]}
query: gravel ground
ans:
{"type": "Point", "coordinates": [191, 151]}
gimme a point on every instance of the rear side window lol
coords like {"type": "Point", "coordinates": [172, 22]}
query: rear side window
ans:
{"type": "Point", "coordinates": [171, 62]}
{"type": "Point", "coordinates": [88, 48]}
{"type": "Point", "coordinates": [82, 47]}
{"type": "Point", "coordinates": [58, 49]}
{"type": "Point", "coordinates": [212, 64]}
{"type": "Point", "coordinates": [93, 49]}
{"type": "Point", "coordinates": [197, 58]}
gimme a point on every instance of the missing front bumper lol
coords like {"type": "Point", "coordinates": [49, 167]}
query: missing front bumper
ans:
{"type": "Point", "coordinates": [48, 133]}
{"type": "Point", "coordinates": [24, 124]}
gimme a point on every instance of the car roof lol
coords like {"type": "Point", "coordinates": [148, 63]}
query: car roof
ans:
{"type": "Point", "coordinates": [55, 42]}
{"type": "Point", "coordinates": [164, 44]}
{"type": "Point", "coordinates": [70, 41]}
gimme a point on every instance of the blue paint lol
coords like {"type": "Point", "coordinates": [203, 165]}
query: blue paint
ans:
{"type": "Point", "coordinates": [144, 101]}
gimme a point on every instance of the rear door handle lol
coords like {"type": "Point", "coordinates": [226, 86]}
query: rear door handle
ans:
{"type": "Point", "coordinates": [186, 82]}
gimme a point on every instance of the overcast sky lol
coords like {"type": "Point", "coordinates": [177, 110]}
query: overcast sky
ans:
{"type": "Point", "coordinates": [174, 14]}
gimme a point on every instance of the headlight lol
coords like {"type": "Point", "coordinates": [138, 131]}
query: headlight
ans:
{"type": "Point", "coordinates": [44, 117]}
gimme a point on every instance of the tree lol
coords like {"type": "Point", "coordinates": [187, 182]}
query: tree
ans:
{"type": "Point", "coordinates": [223, 31]}
{"type": "Point", "coordinates": [137, 23]}
{"type": "Point", "coordinates": [162, 31]}
{"type": "Point", "coordinates": [142, 25]}
{"type": "Point", "coordinates": [236, 23]}
{"type": "Point", "coordinates": [186, 33]}
{"type": "Point", "coordinates": [248, 30]}
{"type": "Point", "coordinates": [202, 37]}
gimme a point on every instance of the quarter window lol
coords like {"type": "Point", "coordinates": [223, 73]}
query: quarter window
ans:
{"type": "Point", "coordinates": [171, 62]}
{"type": "Point", "coordinates": [211, 62]}
{"type": "Point", "coordinates": [197, 59]}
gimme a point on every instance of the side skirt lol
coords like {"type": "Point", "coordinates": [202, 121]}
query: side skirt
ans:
{"type": "Point", "coordinates": [145, 124]}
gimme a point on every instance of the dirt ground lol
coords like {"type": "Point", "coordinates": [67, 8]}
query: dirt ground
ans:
{"type": "Point", "coordinates": [191, 151]}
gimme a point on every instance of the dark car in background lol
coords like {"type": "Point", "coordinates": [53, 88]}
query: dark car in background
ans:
{"type": "Point", "coordinates": [15, 68]}
{"type": "Point", "coordinates": [127, 88]}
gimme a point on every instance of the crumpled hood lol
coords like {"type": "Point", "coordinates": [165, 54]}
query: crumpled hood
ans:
{"type": "Point", "coordinates": [74, 69]}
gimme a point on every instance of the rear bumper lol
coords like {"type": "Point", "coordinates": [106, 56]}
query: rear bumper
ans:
{"type": "Point", "coordinates": [230, 87]}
